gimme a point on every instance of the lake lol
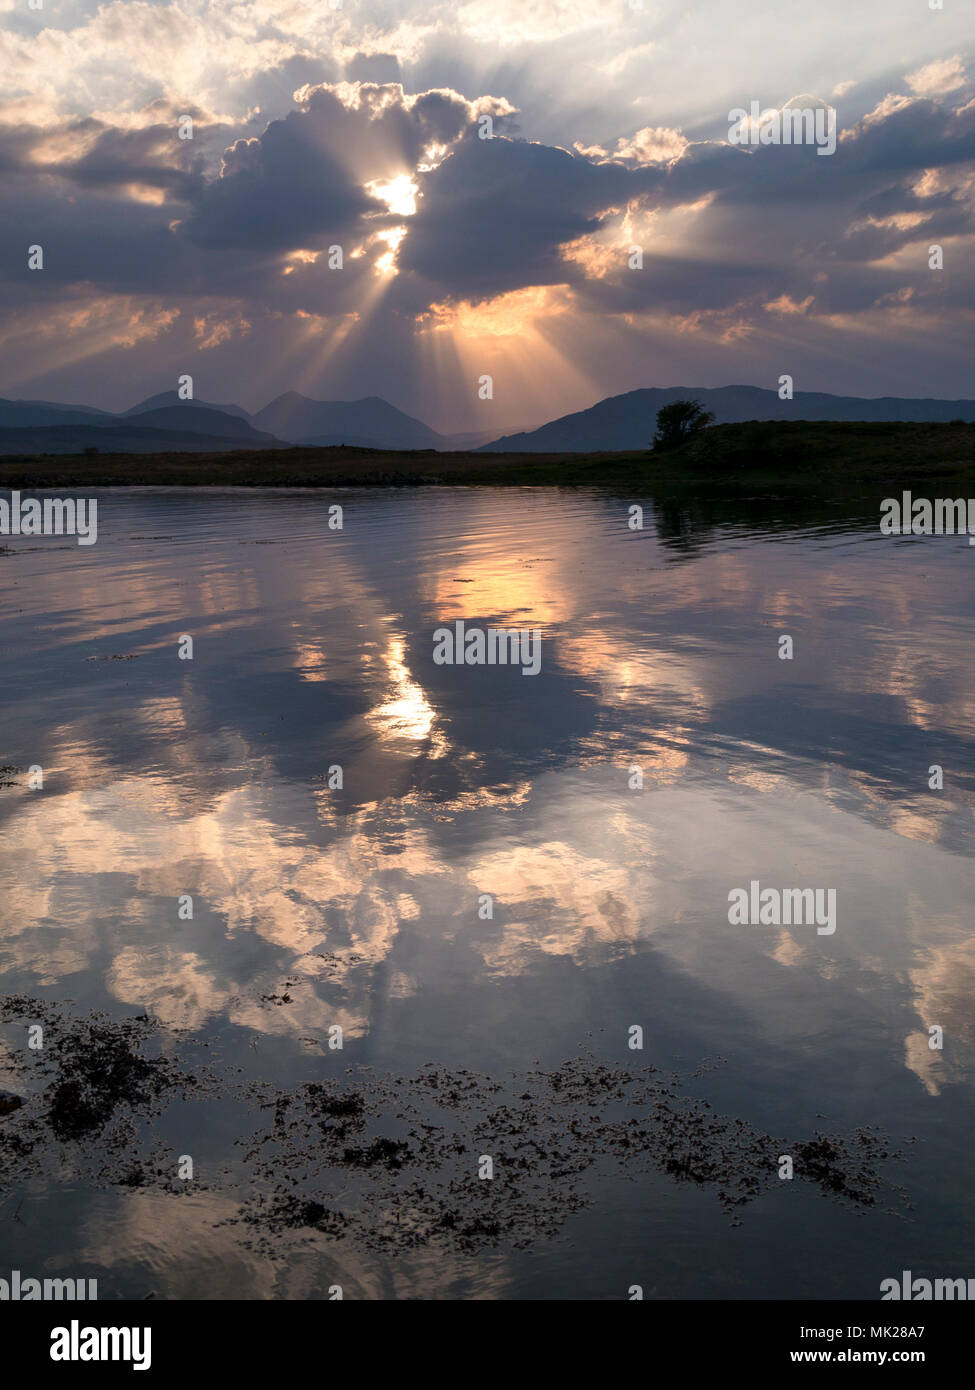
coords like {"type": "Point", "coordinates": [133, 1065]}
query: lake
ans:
{"type": "Point", "coordinates": [563, 1072]}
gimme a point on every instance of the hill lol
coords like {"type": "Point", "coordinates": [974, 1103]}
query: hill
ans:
{"type": "Point", "coordinates": [119, 440]}
{"type": "Point", "coordinates": [29, 414]}
{"type": "Point", "coordinates": [188, 417]}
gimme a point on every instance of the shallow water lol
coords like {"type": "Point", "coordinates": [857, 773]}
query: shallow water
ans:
{"type": "Point", "coordinates": [315, 906]}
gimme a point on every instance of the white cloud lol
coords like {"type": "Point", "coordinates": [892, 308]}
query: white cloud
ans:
{"type": "Point", "coordinates": [935, 79]}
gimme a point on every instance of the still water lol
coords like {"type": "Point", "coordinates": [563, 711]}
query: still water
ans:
{"type": "Point", "coordinates": [360, 906]}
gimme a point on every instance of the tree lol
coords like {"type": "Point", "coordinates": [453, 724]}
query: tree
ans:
{"type": "Point", "coordinates": [680, 421]}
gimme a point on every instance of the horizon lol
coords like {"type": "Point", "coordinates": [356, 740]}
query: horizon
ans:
{"type": "Point", "coordinates": [188, 178]}
{"type": "Point", "coordinates": [504, 431]}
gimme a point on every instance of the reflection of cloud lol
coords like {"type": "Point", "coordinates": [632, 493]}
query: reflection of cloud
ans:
{"type": "Point", "coordinates": [310, 662]}
{"type": "Point", "coordinates": [172, 984]}
{"type": "Point", "coordinates": [188, 1246]}
{"type": "Point", "coordinates": [944, 995]}
{"type": "Point", "coordinates": [600, 872]}
{"type": "Point", "coordinates": [789, 951]}
{"type": "Point", "coordinates": [304, 1014]}
{"type": "Point", "coordinates": [347, 898]}
{"type": "Point", "coordinates": [173, 1247]}
{"type": "Point", "coordinates": [660, 696]}
{"type": "Point", "coordinates": [624, 669]}
{"type": "Point", "coordinates": [593, 901]}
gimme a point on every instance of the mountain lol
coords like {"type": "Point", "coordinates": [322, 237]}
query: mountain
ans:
{"type": "Point", "coordinates": [197, 418]}
{"type": "Point", "coordinates": [628, 421]}
{"type": "Point", "coordinates": [172, 398]}
{"type": "Point", "coordinates": [122, 439]}
{"type": "Point", "coordinates": [42, 426]}
{"type": "Point", "coordinates": [371, 423]}
{"type": "Point", "coordinates": [27, 414]}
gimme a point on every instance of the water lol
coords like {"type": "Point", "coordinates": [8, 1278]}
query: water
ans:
{"type": "Point", "coordinates": [315, 906]}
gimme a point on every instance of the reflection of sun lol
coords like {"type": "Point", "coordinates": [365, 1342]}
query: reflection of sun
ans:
{"type": "Point", "coordinates": [512, 592]}
{"type": "Point", "coordinates": [407, 714]}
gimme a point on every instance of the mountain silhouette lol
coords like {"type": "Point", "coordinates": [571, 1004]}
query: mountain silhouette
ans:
{"type": "Point", "coordinates": [165, 423]}
{"type": "Point", "coordinates": [173, 398]}
{"type": "Point", "coordinates": [188, 416]}
{"type": "Point", "coordinates": [371, 422]}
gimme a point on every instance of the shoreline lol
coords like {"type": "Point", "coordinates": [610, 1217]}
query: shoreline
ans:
{"type": "Point", "coordinates": [810, 457]}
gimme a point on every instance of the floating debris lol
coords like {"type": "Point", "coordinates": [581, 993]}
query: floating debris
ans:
{"type": "Point", "coordinates": [9, 1103]}
{"type": "Point", "coordinates": [443, 1158]}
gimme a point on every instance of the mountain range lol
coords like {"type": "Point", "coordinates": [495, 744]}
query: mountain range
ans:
{"type": "Point", "coordinates": [164, 423]}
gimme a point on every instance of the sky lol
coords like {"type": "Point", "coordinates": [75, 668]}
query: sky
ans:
{"type": "Point", "coordinates": [362, 127]}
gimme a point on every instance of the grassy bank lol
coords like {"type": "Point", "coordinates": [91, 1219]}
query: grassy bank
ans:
{"type": "Point", "coordinates": [769, 455]}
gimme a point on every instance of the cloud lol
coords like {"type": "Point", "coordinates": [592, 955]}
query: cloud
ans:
{"type": "Point", "coordinates": [275, 193]}
{"type": "Point", "coordinates": [305, 177]}
{"type": "Point", "coordinates": [494, 216]}
{"type": "Point", "coordinates": [939, 78]}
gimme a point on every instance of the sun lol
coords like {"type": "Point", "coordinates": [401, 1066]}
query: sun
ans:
{"type": "Point", "coordinates": [398, 194]}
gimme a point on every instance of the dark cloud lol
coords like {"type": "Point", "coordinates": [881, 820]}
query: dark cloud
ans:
{"type": "Point", "coordinates": [152, 157]}
{"type": "Point", "coordinates": [913, 134]}
{"type": "Point", "coordinates": [303, 178]}
{"type": "Point", "coordinates": [495, 214]}
{"type": "Point", "coordinates": [277, 192]}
